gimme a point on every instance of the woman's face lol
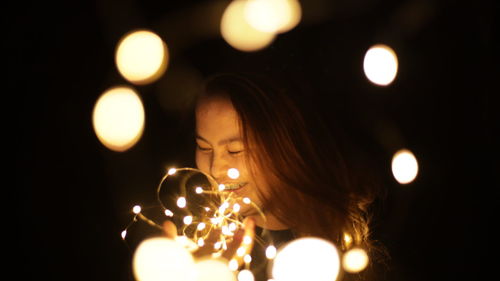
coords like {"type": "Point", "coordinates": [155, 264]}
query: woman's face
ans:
{"type": "Point", "coordinates": [220, 147]}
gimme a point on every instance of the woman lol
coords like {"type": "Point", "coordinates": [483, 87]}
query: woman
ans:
{"type": "Point", "coordinates": [290, 164]}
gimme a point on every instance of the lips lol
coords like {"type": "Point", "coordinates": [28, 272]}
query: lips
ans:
{"type": "Point", "coordinates": [234, 186]}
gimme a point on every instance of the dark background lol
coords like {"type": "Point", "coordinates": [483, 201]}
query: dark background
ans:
{"type": "Point", "coordinates": [74, 196]}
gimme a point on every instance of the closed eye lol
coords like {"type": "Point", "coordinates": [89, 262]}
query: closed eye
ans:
{"type": "Point", "coordinates": [203, 148]}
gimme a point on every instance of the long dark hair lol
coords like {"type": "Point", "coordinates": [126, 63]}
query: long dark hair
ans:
{"type": "Point", "coordinates": [313, 189]}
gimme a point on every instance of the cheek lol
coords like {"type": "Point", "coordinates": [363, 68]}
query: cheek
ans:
{"type": "Point", "coordinates": [202, 162]}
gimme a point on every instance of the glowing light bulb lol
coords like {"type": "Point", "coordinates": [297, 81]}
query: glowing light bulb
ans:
{"type": "Point", "coordinates": [188, 220]}
{"type": "Point", "coordinates": [247, 259]}
{"type": "Point", "coordinates": [380, 65]}
{"type": "Point", "coordinates": [233, 265]}
{"type": "Point", "coordinates": [136, 209]}
{"type": "Point", "coordinates": [217, 245]}
{"type": "Point", "coordinates": [124, 234]}
{"type": "Point", "coordinates": [199, 190]}
{"type": "Point", "coordinates": [169, 213]}
{"type": "Point", "coordinates": [233, 173]}
{"type": "Point", "coordinates": [232, 226]}
{"type": "Point", "coordinates": [118, 118]}
{"type": "Point", "coordinates": [172, 171]}
{"type": "Point", "coordinates": [306, 259]}
{"type": "Point", "coordinates": [245, 275]}
{"type": "Point", "coordinates": [201, 226]}
{"type": "Point", "coordinates": [213, 270]}
{"type": "Point", "coordinates": [201, 242]}
{"type": "Point", "coordinates": [156, 258]}
{"type": "Point", "coordinates": [238, 33]}
{"type": "Point", "coordinates": [271, 252]}
{"type": "Point", "coordinates": [181, 202]}
{"type": "Point", "coordinates": [275, 16]}
{"type": "Point", "coordinates": [247, 240]}
{"type": "Point", "coordinates": [246, 200]}
{"type": "Point", "coordinates": [355, 260]}
{"type": "Point", "coordinates": [404, 166]}
{"type": "Point", "coordinates": [236, 207]}
{"type": "Point", "coordinates": [141, 57]}
{"type": "Point", "coordinates": [222, 187]}
{"type": "Point", "coordinates": [347, 239]}
{"type": "Point", "coordinates": [240, 252]}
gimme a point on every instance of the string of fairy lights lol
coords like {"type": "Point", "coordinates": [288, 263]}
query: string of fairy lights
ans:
{"type": "Point", "coordinates": [118, 118]}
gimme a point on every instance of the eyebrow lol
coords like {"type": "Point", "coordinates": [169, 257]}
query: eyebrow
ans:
{"type": "Point", "coordinates": [222, 142]}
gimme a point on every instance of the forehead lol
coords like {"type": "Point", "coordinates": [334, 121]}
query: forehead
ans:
{"type": "Point", "coordinates": [216, 118]}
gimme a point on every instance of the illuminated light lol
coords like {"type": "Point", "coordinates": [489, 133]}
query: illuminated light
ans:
{"type": "Point", "coordinates": [275, 16]}
{"type": "Point", "coordinates": [245, 275]}
{"type": "Point", "coordinates": [141, 57]}
{"type": "Point", "coordinates": [199, 190]}
{"type": "Point", "coordinates": [207, 209]}
{"type": "Point", "coordinates": [181, 202]}
{"type": "Point", "coordinates": [380, 65]}
{"type": "Point", "coordinates": [161, 258]}
{"type": "Point", "coordinates": [118, 118]}
{"type": "Point", "coordinates": [232, 226]}
{"type": "Point", "coordinates": [240, 252]}
{"type": "Point", "coordinates": [169, 213]}
{"type": "Point", "coordinates": [233, 265]}
{"type": "Point", "coordinates": [236, 207]}
{"type": "Point", "coordinates": [226, 231]}
{"type": "Point", "coordinates": [136, 209]}
{"type": "Point", "coordinates": [124, 234]}
{"type": "Point", "coordinates": [213, 270]}
{"type": "Point", "coordinates": [217, 245]}
{"type": "Point", "coordinates": [355, 260]}
{"type": "Point", "coordinates": [347, 239]}
{"type": "Point", "coordinates": [246, 200]}
{"type": "Point", "coordinates": [216, 221]}
{"type": "Point", "coordinates": [306, 259]}
{"type": "Point", "coordinates": [271, 252]}
{"type": "Point", "coordinates": [233, 173]}
{"type": "Point", "coordinates": [238, 33]}
{"type": "Point", "coordinates": [201, 226]}
{"type": "Point", "coordinates": [188, 220]}
{"type": "Point", "coordinates": [247, 240]}
{"type": "Point", "coordinates": [222, 187]}
{"type": "Point", "coordinates": [172, 171]}
{"type": "Point", "coordinates": [247, 259]}
{"type": "Point", "coordinates": [404, 166]}
{"type": "Point", "coordinates": [201, 242]}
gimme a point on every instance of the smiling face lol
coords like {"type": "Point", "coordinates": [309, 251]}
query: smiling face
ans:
{"type": "Point", "coordinates": [220, 147]}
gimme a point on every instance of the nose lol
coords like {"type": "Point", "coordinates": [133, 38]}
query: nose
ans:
{"type": "Point", "coordinates": [218, 167]}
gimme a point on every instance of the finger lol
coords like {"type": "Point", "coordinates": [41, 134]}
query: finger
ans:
{"type": "Point", "coordinates": [208, 248]}
{"type": "Point", "coordinates": [170, 229]}
{"type": "Point", "coordinates": [237, 249]}
{"type": "Point", "coordinates": [234, 245]}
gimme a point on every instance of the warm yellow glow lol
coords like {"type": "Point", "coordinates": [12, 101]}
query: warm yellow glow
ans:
{"type": "Point", "coordinates": [188, 220]}
{"type": "Point", "coordinates": [124, 234]}
{"type": "Point", "coordinates": [156, 258]}
{"type": "Point", "coordinates": [201, 226]}
{"type": "Point", "coordinates": [247, 258]}
{"type": "Point", "coordinates": [306, 259]}
{"type": "Point", "coordinates": [118, 118]}
{"type": "Point", "coordinates": [275, 16]}
{"type": "Point", "coordinates": [247, 240]}
{"type": "Point", "coordinates": [141, 57]}
{"type": "Point", "coordinates": [347, 239]}
{"type": "Point", "coordinates": [240, 252]}
{"type": "Point", "coordinates": [201, 242]}
{"type": "Point", "coordinates": [355, 260]}
{"type": "Point", "coordinates": [199, 190]}
{"type": "Point", "coordinates": [404, 166]}
{"type": "Point", "coordinates": [217, 245]}
{"type": "Point", "coordinates": [172, 171]}
{"type": "Point", "coordinates": [181, 202]}
{"type": "Point", "coordinates": [169, 213]}
{"type": "Point", "coordinates": [246, 200]}
{"type": "Point", "coordinates": [136, 209]}
{"type": "Point", "coordinates": [380, 65]}
{"type": "Point", "coordinates": [233, 173]}
{"type": "Point", "coordinates": [233, 265]}
{"type": "Point", "coordinates": [212, 270]}
{"type": "Point", "coordinates": [236, 207]}
{"type": "Point", "coordinates": [245, 275]}
{"type": "Point", "coordinates": [232, 226]}
{"type": "Point", "coordinates": [238, 33]}
{"type": "Point", "coordinates": [271, 252]}
{"type": "Point", "coordinates": [222, 187]}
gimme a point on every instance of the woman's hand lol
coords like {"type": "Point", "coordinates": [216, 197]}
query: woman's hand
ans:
{"type": "Point", "coordinates": [239, 240]}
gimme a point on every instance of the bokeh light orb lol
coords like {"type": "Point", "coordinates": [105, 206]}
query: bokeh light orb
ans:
{"type": "Point", "coordinates": [380, 65]}
{"type": "Point", "coordinates": [238, 33]}
{"type": "Point", "coordinates": [306, 258]}
{"type": "Point", "coordinates": [118, 118]}
{"type": "Point", "coordinates": [214, 270]}
{"type": "Point", "coordinates": [162, 259]}
{"type": "Point", "coordinates": [275, 16]}
{"type": "Point", "coordinates": [245, 275]}
{"type": "Point", "coordinates": [355, 260]}
{"type": "Point", "coordinates": [404, 166]}
{"type": "Point", "coordinates": [141, 57]}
